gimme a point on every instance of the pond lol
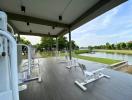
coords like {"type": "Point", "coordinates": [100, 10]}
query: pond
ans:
{"type": "Point", "coordinates": [111, 56]}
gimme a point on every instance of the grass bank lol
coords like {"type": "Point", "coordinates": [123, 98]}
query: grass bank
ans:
{"type": "Point", "coordinates": [129, 52]}
{"type": "Point", "coordinates": [96, 59]}
{"type": "Point", "coordinates": [81, 51]}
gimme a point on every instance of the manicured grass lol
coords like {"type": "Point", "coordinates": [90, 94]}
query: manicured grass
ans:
{"type": "Point", "coordinates": [96, 59]}
{"type": "Point", "coordinates": [129, 52]}
{"type": "Point", "coordinates": [81, 51]}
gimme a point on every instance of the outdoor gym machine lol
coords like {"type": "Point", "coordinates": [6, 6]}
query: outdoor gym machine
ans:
{"type": "Point", "coordinates": [90, 76]}
{"type": "Point", "coordinates": [8, 63]}
{"type": "Point", "coordinates": [26, 74]}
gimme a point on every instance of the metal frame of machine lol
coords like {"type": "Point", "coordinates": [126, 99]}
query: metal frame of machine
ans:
{"type": "Point", "coordinates": [90, 76]}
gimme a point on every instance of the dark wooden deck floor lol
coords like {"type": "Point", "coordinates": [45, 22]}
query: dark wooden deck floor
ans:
{"type": "Point", "coordinates": [58, 84]}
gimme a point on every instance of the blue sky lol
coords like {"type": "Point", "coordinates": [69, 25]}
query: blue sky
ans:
{"type": "Point", "coordinates": [114, 26]}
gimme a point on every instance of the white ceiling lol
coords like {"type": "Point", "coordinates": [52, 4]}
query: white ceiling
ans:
{"type": "Point", "coordinates": [49, 9]}
{"type": "Point", "coordinates": [36, 28]}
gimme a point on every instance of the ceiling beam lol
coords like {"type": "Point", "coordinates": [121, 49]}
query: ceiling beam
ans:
{"type": "Point", "coordinates": [36, 34]}
{"type": "Point", "coordinates": [25, 18]}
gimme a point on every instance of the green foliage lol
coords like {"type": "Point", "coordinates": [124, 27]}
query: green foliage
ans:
{"type": "Point", "coordinates": [118, 46]}
{"type": "Point", "coordinates": [129, 45]}
{"type": "Point", "coordinates": [113, 46]}
{"type": "Point", "coordinates": [90, 48]}
{"type": "Point", "coordinates": [123, 45]}
{"type": "Point", "coordinates": [81, 51]}
{"type": "Point", "coordinates": [49, 43]}
{"type": "Point", "coordinates": [114, 51]}
{"type": "Point", "coordinates": [62, 43]}
{"type": "Point", "coordinates": [100, 60]}
{"type": "Point", "coordinates": [108, 46]}
{"type": "Point", "coordinates": [24, 41]}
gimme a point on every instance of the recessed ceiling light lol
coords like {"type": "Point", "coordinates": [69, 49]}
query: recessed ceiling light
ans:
{"type": "Point", "coordinates": [60, 18]}
{"type": "Point", "coordinates": [27, 23]}
{"type": "Point", "coordinates": [30, 31]}
{"type": "Point", "coordinates": [23, 8]}
{"type": "Point", "coordinates": [53, 27]}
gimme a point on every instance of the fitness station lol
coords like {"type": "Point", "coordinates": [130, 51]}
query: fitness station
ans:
{"type": "Point", "coordinates": [60, 77]}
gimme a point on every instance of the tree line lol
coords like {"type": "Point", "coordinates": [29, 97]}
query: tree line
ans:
{"type": "Point", "coordinates": [118, 46]}
{"type": "Point", "coordinates": [49, 44]}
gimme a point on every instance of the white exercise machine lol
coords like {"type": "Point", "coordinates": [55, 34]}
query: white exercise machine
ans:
{"type": "Point", "coordinates": [8, 62]}
{"type": "Point", "coordinates": [30, 69]}
{"type": "Point", "coordinates": [72, 64]}
{"type": "Point", "coordinates": [64, 59]}
{"type": "Point", "coordinates": [90, 76]}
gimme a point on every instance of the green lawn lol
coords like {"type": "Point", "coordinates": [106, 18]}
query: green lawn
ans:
{"type": "Point", "coordinates": [96, 59]}
{"type": "Point", "coordinates": [115, 51]}
{"type": "Point", "coordinates": [81, 51]}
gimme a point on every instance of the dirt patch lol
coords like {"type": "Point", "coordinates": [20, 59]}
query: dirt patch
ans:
{"type": "Point", "coordinates": [127, 69]}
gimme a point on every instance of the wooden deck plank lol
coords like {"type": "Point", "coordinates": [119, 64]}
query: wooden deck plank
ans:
{"type": "Point", "coordinates": [58, 84]}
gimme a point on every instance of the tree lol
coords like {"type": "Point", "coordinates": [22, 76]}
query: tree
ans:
{"type": "Point", "coordinates": [48, 43]}
{"type": "Point", "coordinates": [118, 46]}
{"type": "Point", "coordinates": [74, 46]}
{"type": "Point", "coordinates": [129, 45]}
{"type": "Point", "coordinates": [90, 48]}
{"type": "Point", "coordinates": [63, 43]}
{"type": "Point", "coordinates": [24, 41]}
{"type": "Point", "coordinates": [108, 46]}
{"type": "Point", "coordinates": [123, 45]}
{"type": "Point", "coordinates": [113, 46]}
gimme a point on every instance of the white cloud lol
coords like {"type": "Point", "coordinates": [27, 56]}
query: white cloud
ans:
{"type": "Point", "coordinates": [33, 39]}
{"type": "Point", "coordinates": [95, 39]}
{"type": "Point", "coordinates": [109, 27]}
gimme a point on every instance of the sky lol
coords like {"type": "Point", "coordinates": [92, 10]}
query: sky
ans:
{"type": "Point", "coordinates": [113, 26]}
